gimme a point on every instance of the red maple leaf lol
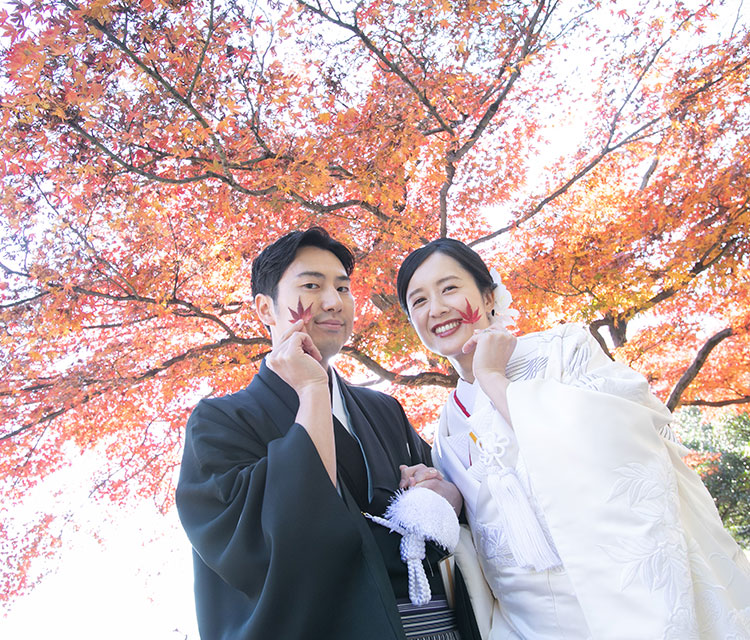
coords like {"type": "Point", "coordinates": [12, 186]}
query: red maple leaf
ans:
{"type": "Point", "coordinates": [301, 313]}
{"type": "Point", "coordinates": [470, 316]}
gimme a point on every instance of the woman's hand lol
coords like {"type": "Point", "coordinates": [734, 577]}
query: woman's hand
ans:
{"type": "Point", "coordinates": [492, 348]}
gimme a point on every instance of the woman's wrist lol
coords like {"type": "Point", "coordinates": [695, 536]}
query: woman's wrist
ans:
{"type": "Point", "coordinates": [492, 381]}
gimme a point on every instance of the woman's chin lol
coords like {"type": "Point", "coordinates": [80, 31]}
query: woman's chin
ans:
{"type": "Point", "coordinates": [447, 347]}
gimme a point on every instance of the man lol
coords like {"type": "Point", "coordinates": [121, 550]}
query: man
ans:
{"type": "Point", "coordinates": [275, 478]}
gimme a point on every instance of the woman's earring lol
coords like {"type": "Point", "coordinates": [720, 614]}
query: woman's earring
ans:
{"type": "Point", "coordinates": [492, 312]}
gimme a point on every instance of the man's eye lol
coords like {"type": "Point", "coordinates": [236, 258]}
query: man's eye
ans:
{"type": "Point", "coordinates": [310, 285]}
{"type": "Point", "coordinates": [344, 289]}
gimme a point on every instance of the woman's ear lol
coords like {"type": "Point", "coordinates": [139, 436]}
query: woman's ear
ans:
{"type": "Point", "coordinates": [264, 307]}
{"type": "Point", "coordinates": [488, 297]}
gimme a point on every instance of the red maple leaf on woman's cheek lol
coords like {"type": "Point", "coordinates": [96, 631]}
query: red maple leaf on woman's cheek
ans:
{"type": "Point", "coordinates": [469, 316]}
{"type": "Point", "coordinates": [302, 313]}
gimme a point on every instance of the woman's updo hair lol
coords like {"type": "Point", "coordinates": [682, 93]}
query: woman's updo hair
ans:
{"type": "Point", "coordinates": [460, 252]}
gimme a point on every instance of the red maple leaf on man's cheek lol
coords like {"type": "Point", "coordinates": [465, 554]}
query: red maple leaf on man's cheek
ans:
{"type": "Point", "coordinates": [302, 313]}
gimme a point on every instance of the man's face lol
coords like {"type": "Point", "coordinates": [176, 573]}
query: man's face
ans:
{"type": "Point", "coordinates": [315, 281]}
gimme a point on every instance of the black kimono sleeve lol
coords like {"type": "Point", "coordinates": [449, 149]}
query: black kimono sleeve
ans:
{"type": "Point", "coordinates": [278, 554]}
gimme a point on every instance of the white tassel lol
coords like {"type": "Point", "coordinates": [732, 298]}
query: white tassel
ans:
{"type": "Point", "coordinates": [517, 519]}
{"type": "Point", "coordinates": [420, 514]}
{"type": "Point", "coordinates": [524, 534]}
{"type": "Point", "coordinates": [412, 553]}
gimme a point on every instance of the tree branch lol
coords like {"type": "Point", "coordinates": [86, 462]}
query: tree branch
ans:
{"type": "Point", "coordinates": [649, 173]}
{"type": "Point", "coordinates": [330, 208]}
{"type": "Point", "coordinates": [608, 147]}
{"type": "Point", "coordinates": [150, 373]}
{"type": "Point", "coordinates": [605, 151]}
{"type": "Point", "coordinates": [202, 57]}
{"type": "Point", "coordinates": [418, 380]}
{"type": "Point", "coordinates": [24, 301]}
{"type": "Point", "coordinates": [454, 157]}
{"type": "Point", "coordinates": [389, 65]}
{"type": "Point", "coordinates": [715, 403]}
{"type": "Point", "coordinates": [692, 371]}
{"type": "Point", "coordinates": [160, 80]}
{"type": "Point", "coordinates": [226, 178]}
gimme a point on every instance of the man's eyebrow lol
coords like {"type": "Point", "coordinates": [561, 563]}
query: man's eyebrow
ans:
{"type": "Point", "coordinates": [318, 274]}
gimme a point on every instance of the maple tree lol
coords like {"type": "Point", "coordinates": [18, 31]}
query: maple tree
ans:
{"type": "Point", "coordinates": [597, 156]}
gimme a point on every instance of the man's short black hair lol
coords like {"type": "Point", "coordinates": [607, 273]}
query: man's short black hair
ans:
{"type": "Point", "coordinates": [273, 261]}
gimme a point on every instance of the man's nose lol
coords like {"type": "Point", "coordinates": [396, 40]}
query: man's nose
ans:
{"type": "Point", "coordinates": [331, 299]}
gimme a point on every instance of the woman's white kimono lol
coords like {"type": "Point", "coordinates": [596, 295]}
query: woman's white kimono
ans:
{"type": "Point", "coordinates": [632, 546]}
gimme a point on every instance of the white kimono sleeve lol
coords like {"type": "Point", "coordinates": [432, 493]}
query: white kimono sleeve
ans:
{"type": "Point", "coordinates": [636, 530]}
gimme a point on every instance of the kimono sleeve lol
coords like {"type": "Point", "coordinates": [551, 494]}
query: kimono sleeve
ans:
{"type": "Point", "coordinates": [582, 363]}
{"type": "Point", "coordinates": [614, 495]}
{"type": "Point", "coordinates": [254, 511]}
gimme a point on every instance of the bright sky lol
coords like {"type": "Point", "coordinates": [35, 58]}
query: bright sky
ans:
{"type": "Point", "coordinates": [137, 584]}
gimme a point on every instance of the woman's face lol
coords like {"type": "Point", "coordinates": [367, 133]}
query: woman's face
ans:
{"type": "Point", "coordinates": [445, 305]}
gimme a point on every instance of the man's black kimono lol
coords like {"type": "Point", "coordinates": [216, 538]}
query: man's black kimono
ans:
{"type": "Point", "coordinates": [278, 553]}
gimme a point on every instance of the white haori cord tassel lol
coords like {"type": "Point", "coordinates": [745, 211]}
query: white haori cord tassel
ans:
{"type": "Point", "coordinates": [524, 534]}
{"type": "Point", "coordinates": [420, 514]}
{"type": "Point", "coordinates": [515, 516]}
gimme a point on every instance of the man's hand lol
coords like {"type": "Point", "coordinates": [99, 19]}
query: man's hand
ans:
{"type": "Point", "coordinates": [421, 475]}
{"type": "Point", "coordinates": [297, 361]}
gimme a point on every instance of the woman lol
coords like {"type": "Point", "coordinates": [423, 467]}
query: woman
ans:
{"type": "Point", "coordinates": [586, 522]}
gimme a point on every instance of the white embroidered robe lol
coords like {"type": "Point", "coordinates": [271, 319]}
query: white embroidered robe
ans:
{"type": "Point", "coordinates": [643, 550]}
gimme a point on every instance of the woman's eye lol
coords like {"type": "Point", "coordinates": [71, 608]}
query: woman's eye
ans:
{"type": "Point", "coordinates": [450, 287]}
{"type": "Point", "coordinates": [343, 289]}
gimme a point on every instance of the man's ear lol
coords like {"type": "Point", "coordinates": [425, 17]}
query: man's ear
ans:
{"type": "Point", "coordinates": [264, 307]}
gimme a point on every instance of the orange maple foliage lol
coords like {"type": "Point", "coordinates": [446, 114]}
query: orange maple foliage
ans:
{"type": "Point", "coordinates": [704, 462]}
{"type": "Point", "coordinates": [597, 157]}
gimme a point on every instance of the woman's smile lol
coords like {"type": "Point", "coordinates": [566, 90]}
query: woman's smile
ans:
{"type": "Point", "coordinates": [446, 328]}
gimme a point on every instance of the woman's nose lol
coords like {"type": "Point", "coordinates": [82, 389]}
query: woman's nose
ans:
{"type": "Point", "coordinates": [437, 307]}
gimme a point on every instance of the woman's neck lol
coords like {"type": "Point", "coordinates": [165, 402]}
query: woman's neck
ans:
{"type": "Point", "coordinates": [464, 365]}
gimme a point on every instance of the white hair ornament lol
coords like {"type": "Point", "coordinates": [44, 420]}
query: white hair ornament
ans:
{"type": "Point", "coordinates": [502, 312]}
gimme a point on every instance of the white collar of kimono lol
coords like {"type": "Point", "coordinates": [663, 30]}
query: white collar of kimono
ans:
{"type": "Point", "coordinates": [466, 392]}
{"type": "Point", "coordinates": [337, 401]}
